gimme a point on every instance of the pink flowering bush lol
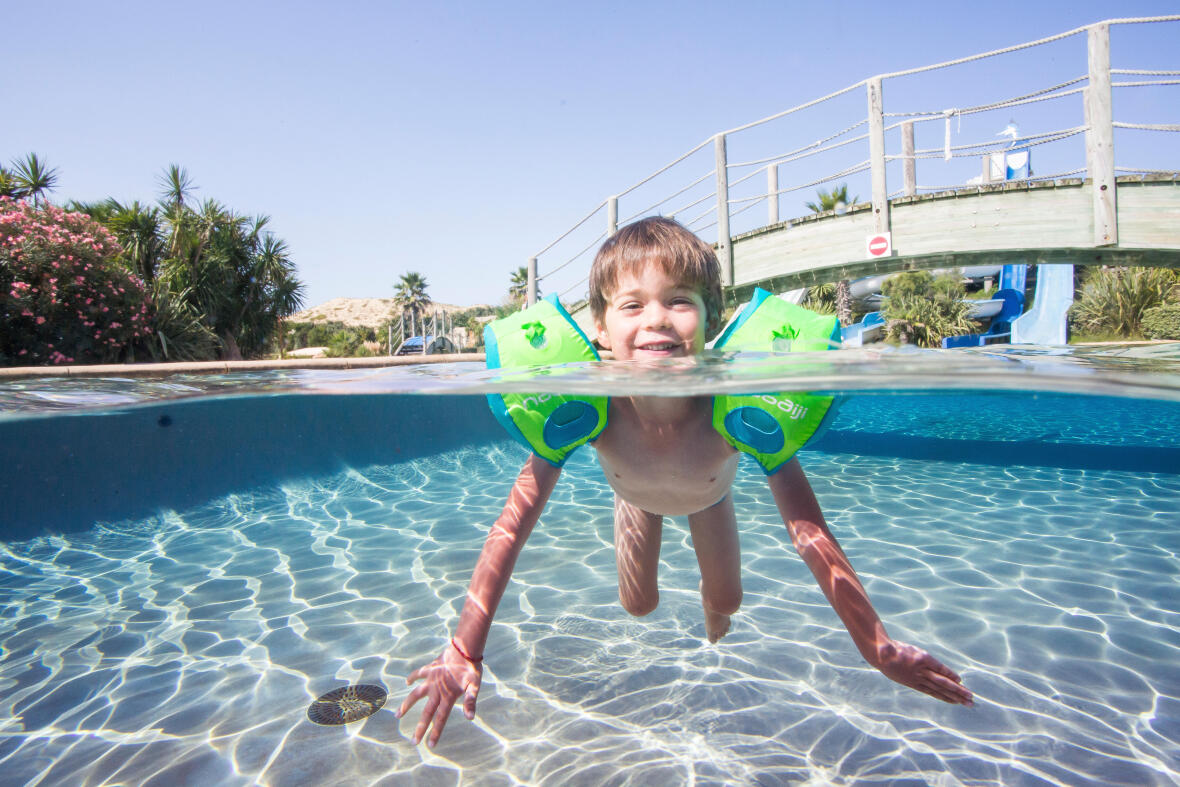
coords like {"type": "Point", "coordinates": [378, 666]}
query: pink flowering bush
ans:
{"type": "Point", "coordinates": [64, 297]}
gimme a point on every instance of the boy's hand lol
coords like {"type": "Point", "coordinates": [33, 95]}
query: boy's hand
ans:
{"type": "Point", "coordinates": [914, 667]}
{"type": "Point", "coordinates": [444, 680]}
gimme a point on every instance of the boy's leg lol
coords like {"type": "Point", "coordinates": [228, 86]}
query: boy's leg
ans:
{"type": "Point", "coordinates": [715, 540]}
{"type": "Point", "coordinates": [637, 556]}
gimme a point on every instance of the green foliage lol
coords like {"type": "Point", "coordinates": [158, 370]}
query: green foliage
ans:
{"type": "Point", "coordinates": [27, 177]}
{"type": "Point", "coordinates": [410, 294]}
{"type": "Point", "coordinates": [64, 297]}
{"type": "Point", "coordinates": [923, 310]}
{"type": "Point", "coordinates": [829, 199]}
{"type": "Point", "coordinates": [821, 298]}
{"type": "Point", "coordinates": [341, 341]}
{"type": "Point", "coordinates": [519, 285]}
{"type": "Point", "coordinates": [1162, 322]}
{"type": "Point", "coordinates": [907, 285]}
{"type": "Point", "coordinates": [1114, 300]}
{"type": "Point", "coordinates": [470, 319]}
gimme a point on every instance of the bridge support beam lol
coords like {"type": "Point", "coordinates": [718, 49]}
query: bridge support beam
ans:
{"type": "Point", "coordinates": [877, 156]}
{"type": "Point", "coordinates": [1100, 137]}
{"type": "Point", "coordinates": [724, 243]}
{"type": "Point", "coordinates": [771, 194]}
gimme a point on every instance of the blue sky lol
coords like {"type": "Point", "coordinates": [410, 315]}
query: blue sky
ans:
{"type": "Point", "coordinates": [458, 139]}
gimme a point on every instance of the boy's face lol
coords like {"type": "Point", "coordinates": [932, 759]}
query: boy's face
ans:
{"type": "Point", "coordinates": [650, 315]}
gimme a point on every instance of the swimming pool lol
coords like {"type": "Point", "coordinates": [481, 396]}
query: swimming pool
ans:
{"type": "Point", "coordinates": [187, 563]}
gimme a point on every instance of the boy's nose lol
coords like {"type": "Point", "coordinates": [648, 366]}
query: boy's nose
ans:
{"type": "Point", "coordinates": [657, 316]}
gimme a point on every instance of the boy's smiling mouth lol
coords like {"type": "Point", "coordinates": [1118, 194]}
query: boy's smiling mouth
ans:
{"type": "Point", "coordinates": [659, 347]}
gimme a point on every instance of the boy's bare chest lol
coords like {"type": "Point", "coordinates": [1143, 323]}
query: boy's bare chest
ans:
{"type": "Point", "coordinates": [676, 470]}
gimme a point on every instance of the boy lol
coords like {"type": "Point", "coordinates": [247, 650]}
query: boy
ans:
{"type": "Point", "coordinates": [654, 292]}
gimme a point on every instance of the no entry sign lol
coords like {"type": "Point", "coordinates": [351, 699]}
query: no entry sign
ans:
{"type": "Point", "coordinates": [879, 245]}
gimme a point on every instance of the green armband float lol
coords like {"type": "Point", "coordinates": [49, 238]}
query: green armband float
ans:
{"type": "Point", "coordinates": [772, 427]}
{"type": "Point", "coordinates": [551, 425]}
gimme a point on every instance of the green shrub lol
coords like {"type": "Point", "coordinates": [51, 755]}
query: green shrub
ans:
{"type": "Point", "coordinates": [1113, 300]}
{"type": "Point", "coordinates": [821, 298]}
{"type": "Point", "coordinates": [1162, 322]}
{"type": "Point", "coordinates": [923, 309]}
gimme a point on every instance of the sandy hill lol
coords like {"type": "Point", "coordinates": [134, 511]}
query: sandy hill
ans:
{"type": "Point", "coordinates": [369, 312]}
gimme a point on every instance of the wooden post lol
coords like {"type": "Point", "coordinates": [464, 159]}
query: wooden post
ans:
{"type": "Point", "coordinates": [531, 290]}
{"type": "Point", "coordinates": [1100, 137]}
{"type": "Point", "coordinates": [877, 156]}
{"type": "Point", "coordinates": [612, 216]}
{"type": "Point", "coordinates": [724, 247]}
{"type": "Point", "coordinates": [909, 164]}
{"type": "Point", "coordinates": [772, 194]}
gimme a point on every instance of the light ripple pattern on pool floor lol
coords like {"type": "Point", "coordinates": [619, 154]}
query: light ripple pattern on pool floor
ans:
{"type": "Point", "coordinates": [186, 648]}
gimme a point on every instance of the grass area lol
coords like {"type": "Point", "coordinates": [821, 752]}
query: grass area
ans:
{"type": "Point", "coordinates": [1079, 337]}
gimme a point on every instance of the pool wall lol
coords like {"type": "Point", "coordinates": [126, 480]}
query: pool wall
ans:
{"type": "Point", "coordinates": [63, 473]}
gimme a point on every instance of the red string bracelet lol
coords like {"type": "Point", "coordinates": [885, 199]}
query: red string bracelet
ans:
{"type": "Point", "coordinates": [463, 653]}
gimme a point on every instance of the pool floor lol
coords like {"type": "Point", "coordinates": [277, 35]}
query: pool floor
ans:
{"type": "Point", "coordinates": [187, 647]}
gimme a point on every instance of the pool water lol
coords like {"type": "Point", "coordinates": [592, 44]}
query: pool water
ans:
{"type": "Point", "coordinates": [1029, 541]}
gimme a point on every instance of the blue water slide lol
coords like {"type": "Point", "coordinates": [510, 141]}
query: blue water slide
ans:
{"type": "Point", "coordinates": [1045, 322]}
{"type": "Point", "coordinates": [1013, 277]}
{"type": "Point", "coordinates": [867, 329]}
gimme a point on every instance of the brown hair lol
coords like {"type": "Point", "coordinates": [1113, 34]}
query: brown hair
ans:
{"type": "Point", "coordinates": [666, 243]}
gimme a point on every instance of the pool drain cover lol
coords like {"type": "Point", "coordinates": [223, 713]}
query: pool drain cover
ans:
{"type": "Point", "coordinates": [347, 704]}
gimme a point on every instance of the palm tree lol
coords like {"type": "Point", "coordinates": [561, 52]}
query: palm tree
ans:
{"type": "Point", "coordinates": [410, 294]}
{"type": "Point", "coordinates": [828, 200]}
{"type": "Point", "coordinates": [139, 232]}
{"type": "Point", "coordinates": [175, 186]}
{"type": "Point", "coordinates": [33, 177]}
{"type": "Point", "coordinates": [519, 287]}
{"type": "Point", "coordinates": [831, 200]}
{"type": "Point", "coordinates": [8, 185]}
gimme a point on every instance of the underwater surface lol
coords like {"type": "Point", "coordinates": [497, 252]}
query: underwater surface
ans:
{"type": "Point", "coordinates": [188, 563]}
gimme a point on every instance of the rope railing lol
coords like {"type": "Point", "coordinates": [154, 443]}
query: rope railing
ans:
{"type": "Point", "coordinates": [729, 205]}
{"type": "Point", "coordinates": [975, 148]}
{"type": "Point", "coordinates": [1014, 101]}
{"type": "Point", "coordinates": [861, 138]}
{"type": "Point", "coordinates": [693, 204]}
{"type": "Point", "coordinates": [784, 157]}
{"type": "Point", "coordinates": [655, 205]}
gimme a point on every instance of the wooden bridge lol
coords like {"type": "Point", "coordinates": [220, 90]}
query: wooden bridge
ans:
{"type": "Point", "coordinates": [1096, 213]}
{"type": "Point", "coordinates": [1025, 222]}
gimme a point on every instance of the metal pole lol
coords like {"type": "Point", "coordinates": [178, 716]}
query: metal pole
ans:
{"type": "Point", "coordinates": [877, 156]}
{"type": "Point", "coordinates": [724, 247]}
{"type": "Point", "coordinates": [531, 291]}
{"type": "Point", "coordinates": [772, 194]}
{"type": "Point", "coordinates": [1100, 137]}
{"type": "Point", "coordinates": [909, 163]}
{"type": "Point", "coordinates": [612, 216]}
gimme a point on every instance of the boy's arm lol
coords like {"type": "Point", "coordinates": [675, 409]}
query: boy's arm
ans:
{"type": "Point", "coordinates": [903, 663]}
{"type": "Point", "coordinates": [458, 669]}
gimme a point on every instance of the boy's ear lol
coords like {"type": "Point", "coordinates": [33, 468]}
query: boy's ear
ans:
{"type": "Point", "coordinates": [602, 336]}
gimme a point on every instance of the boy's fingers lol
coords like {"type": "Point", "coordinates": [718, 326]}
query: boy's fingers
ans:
{"type": "Point", "coordinates": [469, 702]}
{"type": "Point", "coordinates": [410, 699]}
{"type": "Point", "coordinates": [440, 720]}
{"type": "Point", "coordinates": [424, 721]}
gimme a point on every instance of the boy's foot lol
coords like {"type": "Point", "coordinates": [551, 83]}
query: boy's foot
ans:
{"type": "Point", "coordinates": [716, 624]}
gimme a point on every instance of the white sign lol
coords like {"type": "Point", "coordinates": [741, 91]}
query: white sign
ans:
{"type": "Point", "coordinates": [880, 245]}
